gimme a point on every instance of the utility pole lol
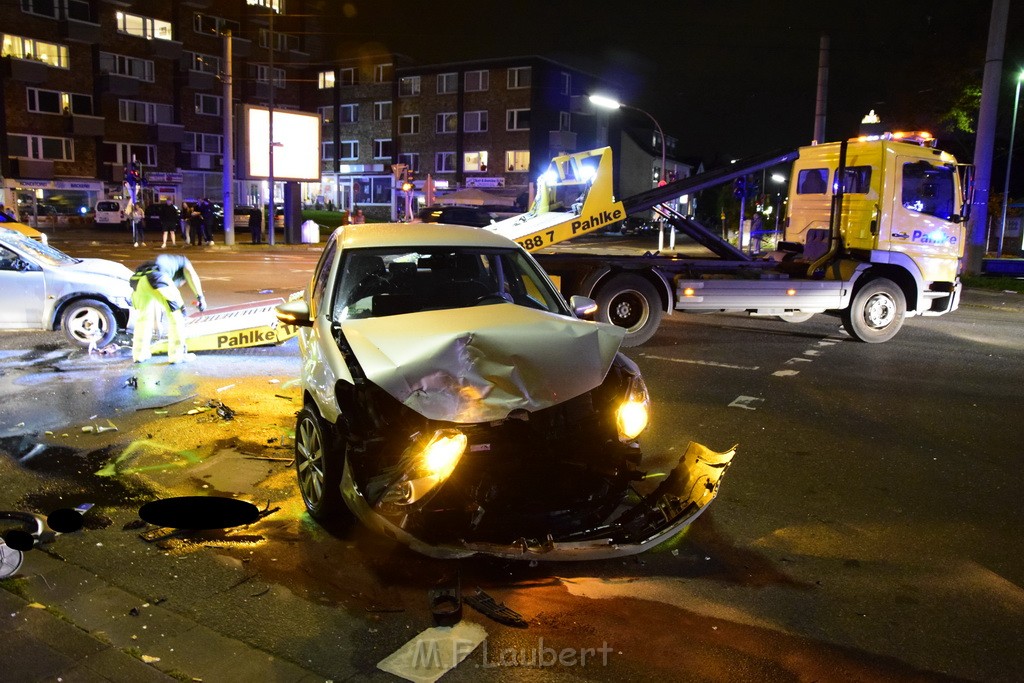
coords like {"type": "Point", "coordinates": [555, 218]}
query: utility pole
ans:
{"type": "Point", "coordinates": [270, 125]}
{"type": "Point", "coordinates": [821, 102]}
{"type": "Point", "coordinates": [228, 147]}
{"type": "Point", "coordinates": [976, 226]}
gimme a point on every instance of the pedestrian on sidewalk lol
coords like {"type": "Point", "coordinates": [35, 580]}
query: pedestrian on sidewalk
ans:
{"type": "Point", "coordinates": [186, 213]}
{"type": "Point", "coordinates": [256, 224]}
{"type": "Point", "coordinates": [137, 218]}
{"type": "Point", "coordinates": [169, 220]}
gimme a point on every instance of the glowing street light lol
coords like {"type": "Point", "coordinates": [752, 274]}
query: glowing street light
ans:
{"type": "Point", "coordinates": [1009, 158]}
{"type": "Point", "coordinates": [609, 103]}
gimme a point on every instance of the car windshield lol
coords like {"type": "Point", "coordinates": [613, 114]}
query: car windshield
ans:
{"type": "Point", "coordinates": [380, 282]}
{"type": "Point", "coordinates": [41, 252]}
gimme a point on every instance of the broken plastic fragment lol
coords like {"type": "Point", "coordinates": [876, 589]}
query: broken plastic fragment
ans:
{"type": "Point", "coordinates": [88, 428]}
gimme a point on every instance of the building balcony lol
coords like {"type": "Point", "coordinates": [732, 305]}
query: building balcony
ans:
{"type": "Point", "coordinates": [169, 132]}
{"type": "Point", "coordinates": [86, 126]}
{"type": "Point", "coordinates": [40, 169]}
{"type": "Point", "coordinates": [25, 70]}
{"type": "Point", "coordinates": [116, 84]}
{"type": "Point", "coordinates": [564, 140]}
{"type": "Point", "coordinates": [241, 47]}
{"type": "Point", "coordinates": [200, 80]}
{"type": "Point", "coordinates": [165, 49]}
{"type": "Point", "coordinates": [80, 31]}
{"type": "Point", "coordinates": [201, 161]}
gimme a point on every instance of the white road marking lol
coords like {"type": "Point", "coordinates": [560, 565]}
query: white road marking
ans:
{"type": "Point", "coordinates": [791, 361]}
{"type": "Point", "coordinates": [709, 363]}
{"type": "Point", "coordinates": [785, 373]}
{"type": "Point", "coordinates": [812, 352]}
{"type": "Point", "coordinates": [746, 402]}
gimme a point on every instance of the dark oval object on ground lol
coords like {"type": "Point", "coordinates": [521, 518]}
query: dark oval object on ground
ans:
{"type": "Point", "coordinates": [19, 540]}
{"type": "Point", "coordinates": [65, 520]}
{"type": "Point", "coordinates": [199, 513]}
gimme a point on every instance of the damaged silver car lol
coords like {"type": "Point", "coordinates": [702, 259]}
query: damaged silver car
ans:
{"type": "Point", "coordinates": [454, 401]}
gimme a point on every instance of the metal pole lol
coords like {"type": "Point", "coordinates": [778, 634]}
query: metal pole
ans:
{"type": "Point", "coordinates": [1009, 159]}
{"type": "Point", "coordinates": [270, 124]}
{"type": "Point", "coordinates": [984, 140]}
{"type": "Point", "coordinates": [821, 103]}
{"type": "Point", "coordinates": [228, 148]}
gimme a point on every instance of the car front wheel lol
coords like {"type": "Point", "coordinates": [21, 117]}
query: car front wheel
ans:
{"type": "Point", "coordinates": [89, 323]}
{"type": "Point", "coordinates": [318, 465]}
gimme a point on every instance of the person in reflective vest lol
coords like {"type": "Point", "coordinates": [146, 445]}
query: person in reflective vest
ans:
{"type": "Point", "coordinates": [155, 284]}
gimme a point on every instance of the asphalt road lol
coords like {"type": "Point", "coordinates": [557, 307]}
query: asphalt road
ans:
{"type": "Point", "coordinates": [867, 530]}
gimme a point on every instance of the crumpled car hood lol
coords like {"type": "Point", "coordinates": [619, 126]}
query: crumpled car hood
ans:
{"type": "Point", "coordinates": [479, 364]}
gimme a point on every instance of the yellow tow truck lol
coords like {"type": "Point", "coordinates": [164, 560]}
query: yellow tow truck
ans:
{"type": "Point", "coordinates": [875, 232]}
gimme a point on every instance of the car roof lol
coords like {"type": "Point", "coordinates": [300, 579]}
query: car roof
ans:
{"type": "Point", "coordinates": [418, 234]}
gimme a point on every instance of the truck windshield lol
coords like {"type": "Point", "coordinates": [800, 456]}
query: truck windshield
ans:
{"type": "Point", "coordinates": [928, 189]}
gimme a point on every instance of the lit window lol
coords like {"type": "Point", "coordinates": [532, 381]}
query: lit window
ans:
{"type": "Point", "coordinates": [326, 79]}
{"type": "Point", "coordinates": [517, 161]}
{"type": "Point", "coordinates": [475, 162]}
{"type": "Point", "coordinates": [143, 27]}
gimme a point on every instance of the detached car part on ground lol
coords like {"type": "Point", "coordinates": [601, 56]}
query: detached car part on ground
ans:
{"type": "Point", "coordinates": [454, 402]}
{"type": "Point", "coordinates": [45, 289]}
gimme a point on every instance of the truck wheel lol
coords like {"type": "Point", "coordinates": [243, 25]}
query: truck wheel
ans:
{"type": "Point", "coordinates": [318, 465]}
{"type": "Point", "coordinates": [876, 313]}
{"type": "Point", "coordinates": [630, 301]}
{"type": "Point", "coordinates": [89, 322]}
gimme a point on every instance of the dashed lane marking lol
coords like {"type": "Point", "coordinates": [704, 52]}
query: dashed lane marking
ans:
{"type": "Point", "coordinates": [709, 363]}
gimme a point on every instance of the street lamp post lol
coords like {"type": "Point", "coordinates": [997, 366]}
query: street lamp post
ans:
{"type": "Point", "coordinates": [1009, 159]}
{"type": "Point", "coordinates": [609, 103]}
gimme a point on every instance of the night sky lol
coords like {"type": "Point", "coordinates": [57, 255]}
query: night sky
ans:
{"type": "Point", "coordinates": [728, 79]}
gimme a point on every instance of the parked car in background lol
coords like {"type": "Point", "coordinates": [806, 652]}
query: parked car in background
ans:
{"type": "Point", "coordinates": [476, 216]}
{"type": "Point", "coordinates": [27, 230]}
{"type": "Point", "coordinates": [110, 212]}
{"type": "Point", "coordinates": [454, 401]}
{"type": "Point", "coordinates": [45, 289]}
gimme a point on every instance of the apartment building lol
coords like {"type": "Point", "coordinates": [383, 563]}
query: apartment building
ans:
{"type": "Point", "coordinates": [89, 86]}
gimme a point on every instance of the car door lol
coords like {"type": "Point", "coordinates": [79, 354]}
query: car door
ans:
{"type": "Point", "coordinates": [24, 289]}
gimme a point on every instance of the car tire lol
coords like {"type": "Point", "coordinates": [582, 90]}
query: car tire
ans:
{"type": "Point", "coordinates": [89, 322]}
{"type": "Point", "coordinates": [630, 301]}
{"type": "Point", "coordinates": [318, 465]}
{"type": "Point", "coordinates": [876, 312]}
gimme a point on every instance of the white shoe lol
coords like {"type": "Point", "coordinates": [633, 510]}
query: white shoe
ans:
{"type": "Point", "coordinates": [136, 244]}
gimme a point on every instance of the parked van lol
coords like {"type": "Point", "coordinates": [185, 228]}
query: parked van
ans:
{"type": "Point", "coordinates": [110, 212]}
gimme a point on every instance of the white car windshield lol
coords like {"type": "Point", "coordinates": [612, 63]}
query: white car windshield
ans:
{"type": "Point", "coordinates": [43, 253]}
{"type": "Point", "coordinates": [382, 282]}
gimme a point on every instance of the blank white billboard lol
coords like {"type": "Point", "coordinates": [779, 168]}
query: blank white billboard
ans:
{"type": "Point", "coordinates": [296, 144]}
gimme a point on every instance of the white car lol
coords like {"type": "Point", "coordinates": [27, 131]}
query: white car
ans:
{"type": "Point", "coordinates": [45, 289]}
{"type": "Point", "coordinates": [454, 401]}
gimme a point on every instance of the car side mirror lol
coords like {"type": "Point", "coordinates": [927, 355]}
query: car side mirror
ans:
{"type": "Point", "coordinates": [294, 313]}
{"type": "Point", "coordinates": [583, 306]}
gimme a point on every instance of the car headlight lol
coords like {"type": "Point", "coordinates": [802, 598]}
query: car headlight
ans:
{"type": "Point", "coordinates": [633, 413]}
{"type": "Point", "coordinates": [428, 462]}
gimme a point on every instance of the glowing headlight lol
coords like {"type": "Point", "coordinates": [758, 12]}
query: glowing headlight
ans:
{"type": "Point", "coordinates": [426, 467]}
{"type": "Point", "coordinates": [442, 453]}
{"type": "Point", "coordinates": [633, 414]}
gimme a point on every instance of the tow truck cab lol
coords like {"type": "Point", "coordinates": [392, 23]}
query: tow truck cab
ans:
{"type": "Point", "coordinates": [899, 195]}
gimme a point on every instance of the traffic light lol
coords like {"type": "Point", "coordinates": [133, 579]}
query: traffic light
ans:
{"type": "Point", "coordinates": [409, 183]}
{"type": "Point", "coordinates": [739, 187]}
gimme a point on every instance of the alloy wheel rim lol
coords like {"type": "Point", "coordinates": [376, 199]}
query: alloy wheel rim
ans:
{"type": "Point", "coordinates": [309, 462]}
